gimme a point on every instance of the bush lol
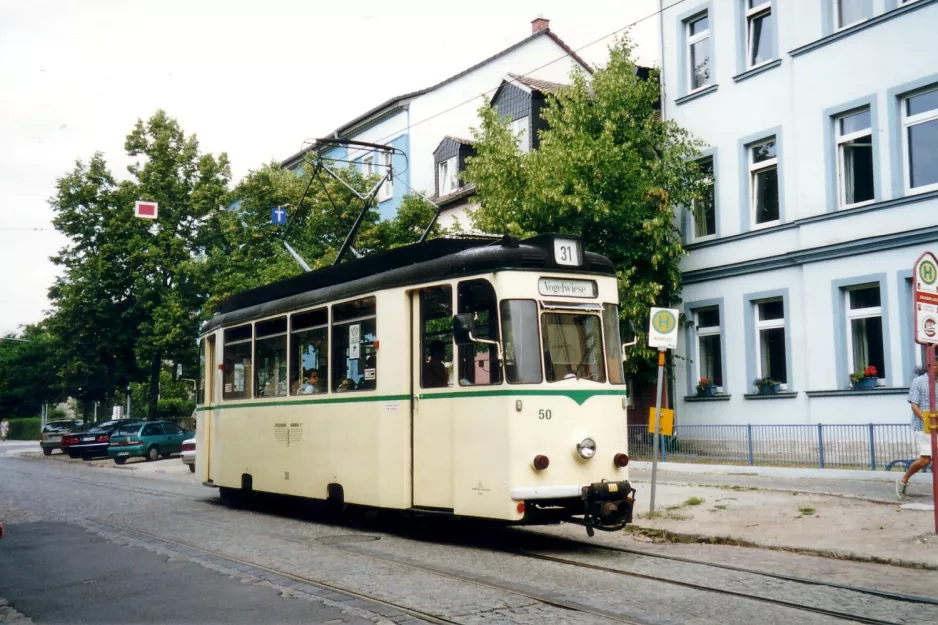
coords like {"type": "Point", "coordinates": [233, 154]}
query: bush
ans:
{"type": "Point", "coordinates": [169, 408]}
{"type": "Point", "coordinates": [25, 429]}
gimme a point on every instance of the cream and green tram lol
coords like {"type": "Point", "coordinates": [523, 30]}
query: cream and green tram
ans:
{"type": "Point", "coordinates": [478, 377]}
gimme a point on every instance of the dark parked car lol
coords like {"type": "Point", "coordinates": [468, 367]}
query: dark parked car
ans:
{"type": "Point", "coordinates": [51, 436]}
{"type": "Point", "coordinates": [150, 440]}
{"type": "Point", "coordinates": [94, 441]}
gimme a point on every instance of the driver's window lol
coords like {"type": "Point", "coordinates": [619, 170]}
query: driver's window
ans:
{"type": "Point", "coordinates": [478, 363]}
{"type": "Point", "coordinates": [436, 336]}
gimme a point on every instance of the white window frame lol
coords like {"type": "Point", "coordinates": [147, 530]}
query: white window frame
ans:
{"type": "Point", "coordinates": [445, 167]}
{"type": "Point", "coordinates": [368, 164]}
{"type": "Point", "coordinates": [693, 213]}
{"type": "Point", "coordinates": [691, 40]}
{"type": "Point", "coordinates": [840, 141]}
{"type": "Point", "coordinates": [770, 324]}
{"type": "Point", "coordinates": [519, 128]}
{"type": "Point", "coordinates": [704, 331]}
{"type": "Point", "coordinates": [756, 168]}
{"type": "Point", "coordinates": [751, 14]}
{"type": "Point", "coordinates": [907, 123]}
{"type": "Point", "coordinates": [837, 24]}
{"type": "Point", "coordinates": [386, 192]}
{"type": "Point", "coordinates": [861, 313]}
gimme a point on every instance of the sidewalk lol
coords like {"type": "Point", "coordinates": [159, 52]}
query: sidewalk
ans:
{"type": "Point", "coordinates": [843, 518]}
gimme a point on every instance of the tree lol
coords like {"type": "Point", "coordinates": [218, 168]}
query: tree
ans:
{"type": "Point", "coordinates": [27, 372]}
{"type": "Point", "coordinates": [131, 290]}
{"type": "Point", "coordinates": [609, 170]}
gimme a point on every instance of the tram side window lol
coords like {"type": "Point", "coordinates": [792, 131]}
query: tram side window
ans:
{"type": "Point", "coordinates": [200, 395]}
{"type": "Point", "coordinates": [309, 348]}
{"type": "Point", "coordinates": [478, 363]}
{"type": "Point", "coordinates": [613, 343]}
{"type": "Point", "coordinates": [237, 373]}
{"type": "Point", "coordinates": [270, 350]}
{"type": "Point", "coordinates": [522, 345]}
{"type": "Point", "coordinates": [354, 332]}
{"type": "Point", "coordinates": [436, 337]}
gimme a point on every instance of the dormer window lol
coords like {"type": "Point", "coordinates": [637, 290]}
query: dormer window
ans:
{"type": "Point", "coordinates": [448, 176]}
{"type": "Point", "coordinates": [519, 128]}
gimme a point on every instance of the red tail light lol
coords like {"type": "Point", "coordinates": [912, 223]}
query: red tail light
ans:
{"type": "Point", "coordinates": [541, 462]}
{"type": "Point", "coordinates": [188, 446]}
{"type": "Point", "coordinates": [520, 507]}
{"type": "Point", "coordinates": [621, 460]}
{"type": "Point", "coordinates": [104, 439]}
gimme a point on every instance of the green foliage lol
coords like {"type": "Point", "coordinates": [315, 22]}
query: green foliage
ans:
{"type": "Point", "coordinates": [55, 414]}
{"type": "Point", "coordinates": [170, 408]}
{"type": "Point", "coordinates": [609, 170]}
{"type": "Point", "coordinates": [28, 372]}
{"type": "Point", "coordinates": [27, 429]}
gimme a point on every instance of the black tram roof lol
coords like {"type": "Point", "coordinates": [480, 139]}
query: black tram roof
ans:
{"type": "Point", "coordinates": [437, 259]}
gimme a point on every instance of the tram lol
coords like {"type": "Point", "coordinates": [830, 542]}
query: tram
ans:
{"type": "Point", "coordinates": [472, 376]}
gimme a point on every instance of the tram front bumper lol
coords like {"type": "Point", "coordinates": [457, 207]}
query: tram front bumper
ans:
{"type": "Point", "coordinates": [607, 506]}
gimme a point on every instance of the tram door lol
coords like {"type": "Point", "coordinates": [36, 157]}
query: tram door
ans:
{"type": "Point", "coordinates": [210, 400]}
{"type": "Point", "coordinates": [431, 383]}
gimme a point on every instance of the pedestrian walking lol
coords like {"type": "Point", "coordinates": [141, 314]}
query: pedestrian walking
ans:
{"type": "Point", "coordinates": [919, 401]}
{"type": "Point", "coordinates": [4, 428]}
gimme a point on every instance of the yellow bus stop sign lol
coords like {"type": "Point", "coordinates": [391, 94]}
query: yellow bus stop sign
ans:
{"type": "Point", "coordinates": [667, 421]}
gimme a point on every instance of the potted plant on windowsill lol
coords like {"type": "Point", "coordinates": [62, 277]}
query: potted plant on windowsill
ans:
{"type": "Point", "coordinates": [864, 378]}
{"type": "Point", "coordinates": [706, 388]}
{"type": "Point", "coordinates": [767, 386]}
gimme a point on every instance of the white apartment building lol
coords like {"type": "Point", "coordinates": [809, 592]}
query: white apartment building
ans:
{"type": "Point", "coordinates": [821, 124]}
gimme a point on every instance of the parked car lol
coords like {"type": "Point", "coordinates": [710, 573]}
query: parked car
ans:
{"type": "Point", "coordinates": [150, 440]}
{"type": "Point", "coordinates": [51, 436]}
{"type": "Point", "coordinates": [94, 441]}
{"type": "Point", "coordinates": [188, 453]}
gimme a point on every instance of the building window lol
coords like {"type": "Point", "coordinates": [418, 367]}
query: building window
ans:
{"type": "Point", "coordinates": [709, 345]}
{"type": "Point", "coordinates": [920, 140]}
{"type": "Point", "coordinates": [763, 182]}
{"type": "Point", "coordinates": [850, 12]}
{"type": "Point", "coordinates": [386, 192]}
{"type": "Point", "coordinates": [519, 128]}
{"type": "Point", "coordinates": [698, 52]}
{"type": "Point", "coordinates": [865, 329]}
{"type": "Point", "coordinates": [270, 352]}
{"type": "Point", "coordinates": [368, 164]}
{"type": "Point", "coordinates": [761, 32]}
{"type": "Point", "coordinates": [855, 158]}
{"type": "Point", "coordinates": [771, 360]}
{"type": "Point", "coordinates": [704, 209]}
{"type": "Point", "coordinates": [448, 176]}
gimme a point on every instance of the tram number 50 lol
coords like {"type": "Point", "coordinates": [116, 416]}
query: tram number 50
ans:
{"type": "Point", "coordinates": [544, 414]}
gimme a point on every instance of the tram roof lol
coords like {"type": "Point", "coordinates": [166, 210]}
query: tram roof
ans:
{"type": "Point", "coordinates": [412, 264]}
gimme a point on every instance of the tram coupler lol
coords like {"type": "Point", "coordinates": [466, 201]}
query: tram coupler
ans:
{"type": "Point", "coordinates": [607, 506]}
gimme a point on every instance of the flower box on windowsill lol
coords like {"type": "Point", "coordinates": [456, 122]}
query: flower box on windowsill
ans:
{"type": "Point", "coordinates": [865, 383]}
{"type": "Point", "coordinates": [770, 389]}
{"type": "Point", "coordinates": [707, 391]}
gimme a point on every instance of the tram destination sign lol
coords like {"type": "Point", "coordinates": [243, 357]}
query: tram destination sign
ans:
{"type": "Point", "coordinates": [566, 288]}
{"type": "Point", "coordinates": [925, 298]}
{"type": "Point", "coordinates": [662, 328]}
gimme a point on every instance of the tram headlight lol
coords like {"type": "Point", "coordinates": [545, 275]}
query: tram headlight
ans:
{"type": "Point", "coordinates": [586, 448]}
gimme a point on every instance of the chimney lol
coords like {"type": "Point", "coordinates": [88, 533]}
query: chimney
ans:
{"type": "Point", "coordinates": [538, 24]}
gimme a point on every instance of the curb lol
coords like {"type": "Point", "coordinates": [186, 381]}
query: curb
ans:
{"type": "Point", "coordinates": [747, 471]}
{"type": "Point", "coordinates": [685, 537]}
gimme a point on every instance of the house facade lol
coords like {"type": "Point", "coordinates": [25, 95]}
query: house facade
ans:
{"type": "Point", "coordinates": [417, 122]}
{"type": "Point", "coordinates": [821, 125]}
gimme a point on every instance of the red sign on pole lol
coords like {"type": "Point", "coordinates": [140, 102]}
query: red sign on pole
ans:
{"type": "Point", "coordinates": [925, 305]}
{"type": "Point", "coordinates": [146, 210]}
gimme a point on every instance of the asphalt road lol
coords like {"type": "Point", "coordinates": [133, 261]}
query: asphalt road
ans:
{"type": "Point", "coordinates": [94, 545]}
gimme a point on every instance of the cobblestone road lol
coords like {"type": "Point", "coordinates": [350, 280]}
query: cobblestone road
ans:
{"type": "Point", "coordinates": [453, 571]}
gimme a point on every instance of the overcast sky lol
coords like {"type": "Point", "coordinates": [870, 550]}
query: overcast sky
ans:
{"type": "Point", "coordinates": [253, 79]}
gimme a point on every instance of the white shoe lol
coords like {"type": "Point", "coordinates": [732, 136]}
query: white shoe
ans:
{"type": "Point", "coordinates": [901, 487]}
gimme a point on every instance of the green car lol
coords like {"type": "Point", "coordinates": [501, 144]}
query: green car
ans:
{"type": "Point", "coordinates": [149, 440]}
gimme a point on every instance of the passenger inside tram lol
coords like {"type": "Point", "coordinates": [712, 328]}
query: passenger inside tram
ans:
{"type": "Point", "coordinates": [435, 374]}
{"type": "Point", "coordinates": [311, 384]}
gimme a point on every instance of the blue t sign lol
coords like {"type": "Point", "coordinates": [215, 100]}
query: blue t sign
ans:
{"type": "Point", "coordinates": [278, 216]}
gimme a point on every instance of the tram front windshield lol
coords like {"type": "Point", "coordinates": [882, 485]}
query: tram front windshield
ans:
{"type": "Point", "coordinates": [573, 347]}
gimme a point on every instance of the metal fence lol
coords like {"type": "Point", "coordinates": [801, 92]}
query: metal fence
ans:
{"type": "Point", "coordinates": [871, 446]}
